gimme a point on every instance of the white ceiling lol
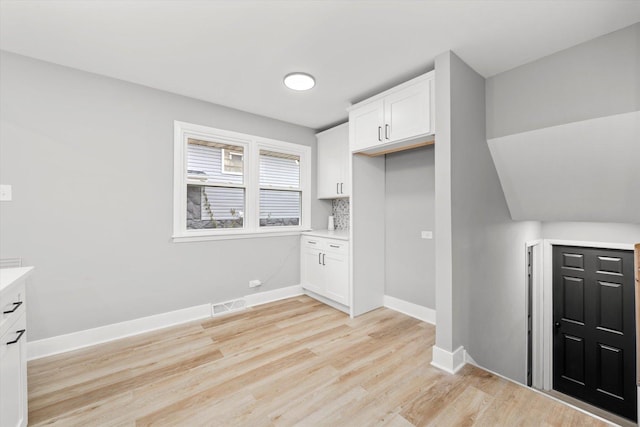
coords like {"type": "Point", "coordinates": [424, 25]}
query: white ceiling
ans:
{"type": "Point", "coordinates": [235, 53]}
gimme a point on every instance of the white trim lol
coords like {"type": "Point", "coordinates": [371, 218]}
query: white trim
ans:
{"type": "Point", "coordinates": [274, 295]}
{"type": "Point", "coordinates": [447, 361]}
{"type": "Point", "coordinates": [537, 301]}
{"type": "Point", "coordinates": [547, 299]}
{"type": "Point", "coordinates": [331, 303]}
{"type": "Point", "coordinates": [102, 334]}
{"type": "Point", "coordinates": [252, 145]}
{"type": "Point", "coordinates": [115, 331]}
{"type": "Point", "coordinates": [419, 312]}
{"type": "Point", "coordinates": [470, 360]}
{"type": "Point", "coordinates": [270, 232]}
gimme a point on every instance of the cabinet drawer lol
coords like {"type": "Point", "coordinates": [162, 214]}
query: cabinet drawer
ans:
{"type": "Point", "coordinates": [11, 305]}
{"type": "Point", "coordinates": [336, 246]}
{"type": "Point", "coordinates": [312, 242]}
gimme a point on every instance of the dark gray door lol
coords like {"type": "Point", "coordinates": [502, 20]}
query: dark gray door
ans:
{"type": "Point", "coordinates": [594, 349]}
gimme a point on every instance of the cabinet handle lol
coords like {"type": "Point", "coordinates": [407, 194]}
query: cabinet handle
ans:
{"type": "Point", "coordinates": [341, 189]}
{"type": "Point", "coordinates": [20, 334]}
{"type": "Point", "coordinates": [323, 256]}
{"type": "Point", "coordinates": [319, 258]}
{"type": "Point", "coordinates": [337, 188]}
{"type": "Point", "coordinates": [386, 131]}
{"type": "Point", "coordinates": [15, 307]}
{"type": "Point", "coordinates": [380, 133]}
{"type": "Point", "coordinates": [335, 246]}
{"type": "Point", "coordinates": [312, 242]}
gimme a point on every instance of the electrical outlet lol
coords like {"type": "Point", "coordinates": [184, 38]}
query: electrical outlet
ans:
{"type": "Point", "coordinates": [254, 283]}
{"type": "Point", "coordinates": [427, 234]}
{"type": "Point", "coordinates": [5, 193]}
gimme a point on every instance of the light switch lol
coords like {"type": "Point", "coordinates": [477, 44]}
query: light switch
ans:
{"type": "Point", "coordinates": [427, 234]}
{"type": "Point", "coordinates": [5, 193]}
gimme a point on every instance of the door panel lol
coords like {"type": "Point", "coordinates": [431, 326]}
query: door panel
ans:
{"type": "Point", "coordinates": [407, 112]}
{"type": "Point", "coordinates": [594, 319]}
{"type": "Point", "coordinates": [366, 126]}
{"type": "Point", "coordinates": [312, 274]}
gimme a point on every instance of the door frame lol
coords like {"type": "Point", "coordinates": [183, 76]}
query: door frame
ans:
{"type": "Point", "coordinates": [543, 307]}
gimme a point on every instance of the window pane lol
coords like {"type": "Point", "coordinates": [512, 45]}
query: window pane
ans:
{"type": "Point", "coordinates": [279, 208]}
{"type": "Point", "coordinates": [279, 169]}
{"type": "Point", "coordinates": [214, 207]}
{"type": "Point", "coordinates": [215, 162]}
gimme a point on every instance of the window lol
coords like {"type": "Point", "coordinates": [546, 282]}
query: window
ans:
{"type": "Point", "coordinates": [228, 184]}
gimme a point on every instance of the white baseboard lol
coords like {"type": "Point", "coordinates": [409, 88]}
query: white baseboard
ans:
{"type": "Point", "coordinates": [327, 301]}
{"type": "Point", "coordinates": [448, 361]}
{"type": "Point", "coordinates": [420, 312]}
{"type": "Point", "coordinates": [274, 295]}
{"type": "Point", "coordinates": [102, 334]}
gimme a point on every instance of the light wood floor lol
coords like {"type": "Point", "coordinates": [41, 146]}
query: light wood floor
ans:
{"type": "Point", "coordinates": [292, 362]}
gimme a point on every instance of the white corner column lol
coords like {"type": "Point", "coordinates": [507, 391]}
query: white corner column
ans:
{"type": "Point", "coordinates": [446, 355]}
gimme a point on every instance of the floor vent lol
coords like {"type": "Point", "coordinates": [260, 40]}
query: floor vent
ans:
{"type": "Point", "coordinates": [229, 306]}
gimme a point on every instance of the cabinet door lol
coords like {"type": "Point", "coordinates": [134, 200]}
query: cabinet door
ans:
{"type": "Point", "coordinates": [366, 126]}
{"type": "Point", "coordinates": [312, 271]}
{"type": "Point", "coordinates": [407, 112]}
{"type": "Point", "coordinates": [337, 272]}
{"type": "Point", "coordinates": [13, 377]}
{"type": "Point", "coordinates": [333, 152]}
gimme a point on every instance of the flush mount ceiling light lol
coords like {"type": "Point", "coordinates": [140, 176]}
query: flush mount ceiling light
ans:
{"type": "Point", "coordinates": [299, 81]}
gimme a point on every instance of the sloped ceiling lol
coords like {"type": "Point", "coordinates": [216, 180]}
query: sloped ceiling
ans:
{"type": "Point", "coordinates": [236, 53]}
{"type": "Point", "coordinates": [581, 171]}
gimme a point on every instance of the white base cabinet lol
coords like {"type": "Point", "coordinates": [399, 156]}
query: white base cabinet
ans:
{"type": "Point", "coordinates": [325, 267]}
{"type": "Point", "coordinates": [13, 347]}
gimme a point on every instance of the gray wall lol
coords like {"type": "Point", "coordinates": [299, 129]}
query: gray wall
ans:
{"type": "Point", "coordinates": [409, 209]}
{"type": "Point", "coordinates": [593, 79]}
{"type": "Point", "coordinates": [91, 164]}
{"type": "Point", "coordinates": [592, 232]}
{"type": "Point", "coordinates": [487, 247]}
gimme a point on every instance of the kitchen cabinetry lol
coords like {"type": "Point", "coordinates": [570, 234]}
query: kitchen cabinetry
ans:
{"type": "Point", "coordinates": [401, 117]}
{"type": "Point", "coordinates": [333, 163]}
{"type": "Point", "coordinates": [325, 267]}
{"type": "Point", "coordinates": [13, 347]}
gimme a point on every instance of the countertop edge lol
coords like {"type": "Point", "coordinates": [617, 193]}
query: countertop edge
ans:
{"type": "Point", "coordinates": [9, 276]}
{"type": "Point", "coordinates": [337, 234]}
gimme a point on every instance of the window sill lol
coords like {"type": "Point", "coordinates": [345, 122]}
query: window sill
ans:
{"type": "Point", "coordinates": [184, 238]}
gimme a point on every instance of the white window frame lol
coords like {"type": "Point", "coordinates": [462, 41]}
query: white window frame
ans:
{"type": "Point", "coordinates": [252, 145]}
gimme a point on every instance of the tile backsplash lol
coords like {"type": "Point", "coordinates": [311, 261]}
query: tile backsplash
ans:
{"type": "Point", "coordinates": [340, 209]}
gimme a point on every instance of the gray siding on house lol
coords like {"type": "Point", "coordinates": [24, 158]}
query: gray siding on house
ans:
{"type": "Point", "coordinates": [229, 203]}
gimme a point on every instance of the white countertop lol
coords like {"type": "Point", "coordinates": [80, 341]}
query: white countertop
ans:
{"type": "Point", "coordinates": [8, 276]}
{"type": "Point", "coordinates": [337, 234]}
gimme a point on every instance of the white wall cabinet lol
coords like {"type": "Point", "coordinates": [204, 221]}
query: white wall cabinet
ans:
{"type": "Point", "coordinates": [397, 118]}
{"type": "Point", "coordinates": [325, 267]}
{"type": "Point", "coordinates": [333, 163]}
{"type": "Point", "coordinates": [13, 348]}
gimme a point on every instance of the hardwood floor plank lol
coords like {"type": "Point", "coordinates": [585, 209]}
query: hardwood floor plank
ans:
{"type": "Point", "coordinates": [290, 362]}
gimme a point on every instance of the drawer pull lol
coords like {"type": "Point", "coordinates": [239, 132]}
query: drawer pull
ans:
{"type": "Point", "coordinates": [312, 242]}
{"type": "Point", "coordinates": [319, 258]}
{"type": "Point", "coordinates": [335, 246]}
{"type": "Point", "coordinates": [15, 307]}
{"type": "Point", "coordinates": [20, 334]}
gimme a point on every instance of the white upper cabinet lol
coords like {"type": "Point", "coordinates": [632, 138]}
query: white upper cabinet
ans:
{"type": "Point", "coordinates": [366, 125]}
{"type": "Point", "coordinates": [333, 163]}
{"type": "Point", "coordinates": [400, 117]}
